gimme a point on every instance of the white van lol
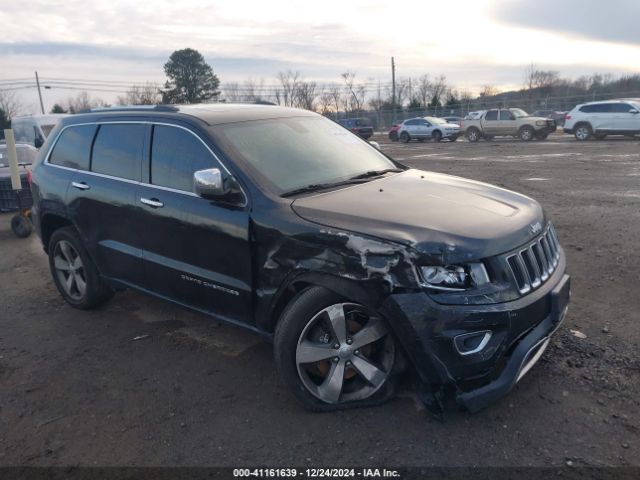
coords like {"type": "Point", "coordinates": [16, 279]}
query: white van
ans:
{"type": "Point", "coordinates": [34, 129]}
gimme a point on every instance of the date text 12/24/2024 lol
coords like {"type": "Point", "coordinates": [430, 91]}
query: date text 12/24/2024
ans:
{"type": "Point", "coordinates": [315, 473]}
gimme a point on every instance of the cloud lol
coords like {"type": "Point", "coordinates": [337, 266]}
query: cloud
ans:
{"type": "Point", "coordinates": [610, 21]}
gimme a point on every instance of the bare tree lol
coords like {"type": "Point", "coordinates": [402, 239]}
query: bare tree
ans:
{"type": "Point", "coordinates": [354, 101]}
{"type": "Point", "coordinates": [423, 90]}
{"type": "Point", "coordinates": [146, 94]}
{"type": "Point", "coordinates": [231, 92]}
{"type": "Point", "coordinates": [325, 102]}
{"type": "Point", "coordinates": [488, 91]}
{"type": "Point", "coordinates": [83, 101]}
{"type": "Point", "coordinates": [335, 93]}
{"type": "Point", "coordinates": [10, 104]}
{"type": "Point", "coordinates": [289, 81]}
{"type": "Point", "coordinates": [253, 89]}
{"type": "Point", "coordinates": [439, 90]}
{"type": "Point", "coordinates": [306, 95]}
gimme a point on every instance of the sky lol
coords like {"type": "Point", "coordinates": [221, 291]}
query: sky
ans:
{"type": "Point", "coordinates": [472, 42]}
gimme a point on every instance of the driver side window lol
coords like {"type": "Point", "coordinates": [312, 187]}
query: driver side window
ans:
{"type": "Point", "coordinates": [175, 155]}
{"type": "Point", "coordinates": [506, 115]}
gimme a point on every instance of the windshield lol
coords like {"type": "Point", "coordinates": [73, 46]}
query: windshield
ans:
{"type": "Point", "coordinates": [435, 121]}
{"type": "Point", "coordinates": [292, 153]}
{"type": "Point", "coordinates": [518, 112]}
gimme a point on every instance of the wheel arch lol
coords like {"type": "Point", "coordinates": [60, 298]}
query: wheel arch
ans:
{"type": "Point", "coordinates": [49, 223]}
{"type": "Point", "coordinates": [347, 288]}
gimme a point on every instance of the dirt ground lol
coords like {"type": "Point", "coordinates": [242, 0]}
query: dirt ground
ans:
{"type": "Point", "coordinates": [76, 388]}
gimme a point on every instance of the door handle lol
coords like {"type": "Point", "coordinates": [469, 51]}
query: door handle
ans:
{"type": "Point", "coordinates": [152, 202]}
{"type": "Point", "coordinates": [80, 185]}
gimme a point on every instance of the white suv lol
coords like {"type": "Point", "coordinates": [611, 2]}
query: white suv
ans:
{"type": "Point", "coordinates": [611, 117]}
{"type": "Point", "coordinates": [422, 128]}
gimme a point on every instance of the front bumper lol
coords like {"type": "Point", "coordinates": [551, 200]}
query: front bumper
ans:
{"type": "Point", "coordinates": [519, 333]}
{"type": "Point", "coordinates": [523, 355]}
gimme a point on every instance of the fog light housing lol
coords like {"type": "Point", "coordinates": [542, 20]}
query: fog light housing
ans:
{"type": "Point", "coordinates": [470, 343]}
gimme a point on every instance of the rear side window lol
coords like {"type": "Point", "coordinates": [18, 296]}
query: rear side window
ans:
{"type": "Point", "coordinates": [175, 155]}
{"type": "Point", "coordinates": [506, 115]}
{"type": "Point", "coordinates": [117, 150]}
{"type": "Point", "coordinates": [620, 107]}
{"type": "Point", "coordinates": [491, 115]}
{"type": "Point", "coordinates": [73, 147]}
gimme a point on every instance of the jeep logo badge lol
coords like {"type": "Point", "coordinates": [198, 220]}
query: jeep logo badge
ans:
{"type": "Point", "coordinates": [535, 227]}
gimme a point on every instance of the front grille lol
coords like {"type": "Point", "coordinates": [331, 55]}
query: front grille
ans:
{"type": "Point", "coordinates": [534, 264]}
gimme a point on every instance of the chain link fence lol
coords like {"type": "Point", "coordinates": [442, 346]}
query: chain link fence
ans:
{"type": "Point", "coordinates": [552, 106]}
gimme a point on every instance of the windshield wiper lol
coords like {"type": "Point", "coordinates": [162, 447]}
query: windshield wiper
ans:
{"type": "Point", "coordinates": [376, 173]}
{"type": "Point", "coordinates": [315, 187]}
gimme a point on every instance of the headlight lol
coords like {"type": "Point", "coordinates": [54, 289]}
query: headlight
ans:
{"type": "Point", "coordinates": [541, 123]}
{"type": "Point", "coordinates": [455, 277]}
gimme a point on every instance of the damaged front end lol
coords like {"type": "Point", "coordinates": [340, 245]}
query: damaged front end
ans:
{"type": "Point", "coordinates": [467, 342]}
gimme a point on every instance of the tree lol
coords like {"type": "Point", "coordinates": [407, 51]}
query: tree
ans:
{"type": "Point", "coordinates": [83, 101]}
{"type": "Point", "coordinates": [191, 79]}
{"type": "Point", "coordinates": [356, 93]}
{"type": "Point", "coordinates": [10, 104]}
{"type": "Point", "coordinates": [57, 108]}
{"type": "Point", "coordinates": [289, 81]}
{"type": "Point", "coordinates": [4, 120]}
{"type": "Point", "coordinates": [146, 94]}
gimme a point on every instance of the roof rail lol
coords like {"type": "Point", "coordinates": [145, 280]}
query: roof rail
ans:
{"type": "Point", "coordinates": [132, 108]}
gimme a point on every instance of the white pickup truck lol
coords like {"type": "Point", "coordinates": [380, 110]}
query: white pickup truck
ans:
{"type": "Point", "coordinates": [506, 122]}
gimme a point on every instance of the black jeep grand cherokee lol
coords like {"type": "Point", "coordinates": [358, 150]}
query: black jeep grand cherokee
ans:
{"type": "Point", "coordinates": [284, 222]}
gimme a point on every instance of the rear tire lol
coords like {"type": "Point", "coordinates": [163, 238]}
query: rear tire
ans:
{"type": "Point", "coordinates": [436, 136]}
{"type": "Point", "coordinates": [583, 132]}
{"type": "Point", "coordinates": [73, 271]}
{"type": "Point", "coordinates": [335, 378]}
{"type": "Point", "coordinates": [404, 137]}
{"type": "Point", "coordinates": [473, 134]}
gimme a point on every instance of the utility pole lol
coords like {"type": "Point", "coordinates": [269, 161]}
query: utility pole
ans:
{"type": "Point", "coordinates": [379, 106]}
{"type": "Point", "coordinates": [393, 88]}
{"type": "Point", "coordinates": [39, 93]}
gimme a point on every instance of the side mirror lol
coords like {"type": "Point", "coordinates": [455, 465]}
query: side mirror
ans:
{"type": "Point", "coordinates": [38, 142]}
{"type": "Point", "coordinates": [633, 110]}
{"type": "Point", "coordinates": [374, 144]}
{"type": "Point", "coordinates": [209, 183]}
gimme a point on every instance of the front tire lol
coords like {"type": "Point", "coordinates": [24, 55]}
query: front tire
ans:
{"type": "Point", "coordinates": [335, 354]}
{"type": "Point", "coordinates": [526, 133]}
{"type": "Point", "coordinates": [73, 271]}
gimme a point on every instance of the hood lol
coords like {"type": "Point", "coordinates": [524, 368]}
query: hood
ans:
{"type": "Point", "coordinates": [439, 215]}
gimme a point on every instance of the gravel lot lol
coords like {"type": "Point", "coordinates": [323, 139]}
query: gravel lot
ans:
{"type": "Point", "coordinates": [77, 389]}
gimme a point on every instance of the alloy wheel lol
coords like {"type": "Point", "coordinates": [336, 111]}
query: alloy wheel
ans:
{"type": "Point", "coordinates": [582, 133]}
{"type": "Point", "coordinates": [70, 270]}
{"type": "Point", "coordinates": [344, 353]}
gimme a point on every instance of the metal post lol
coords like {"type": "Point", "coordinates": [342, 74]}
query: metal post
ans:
{"type": "Point", "coordinates": [39, 93]}
{"type": "Point", "coordinates": [393, 88]}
